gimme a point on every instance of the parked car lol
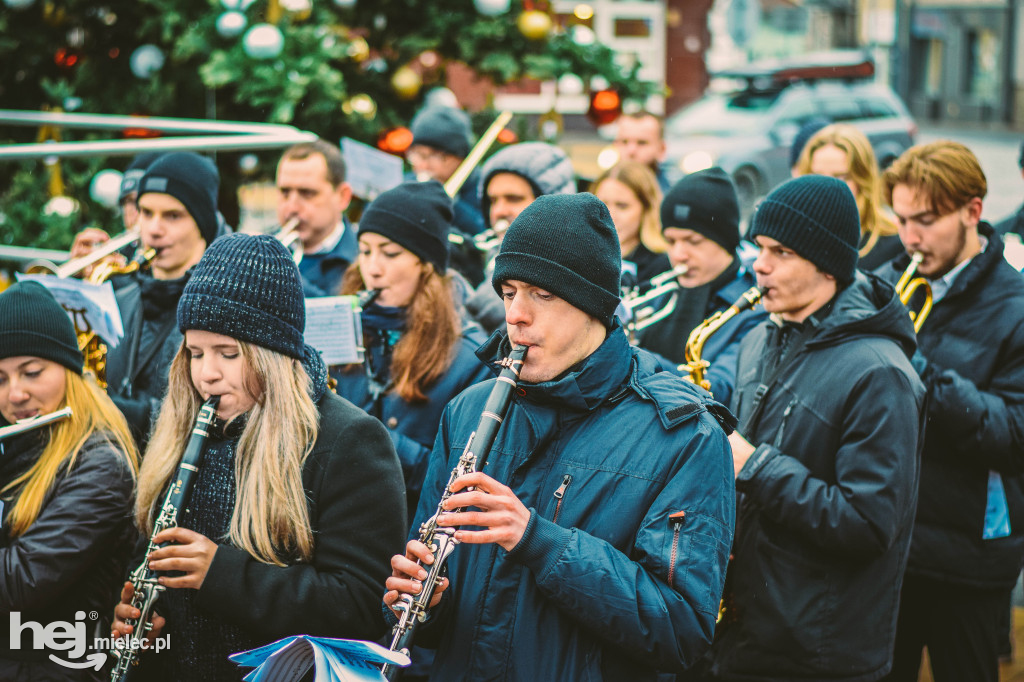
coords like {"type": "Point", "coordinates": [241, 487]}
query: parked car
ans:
{"type": "Point", "coordinates": [748, 130]}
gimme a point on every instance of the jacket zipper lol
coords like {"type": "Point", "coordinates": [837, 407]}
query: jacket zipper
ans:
{"type": "Point", "coordinates": [782, 426]}
{"type": "Point", "coordinates": [560, 494]}
{"type": "Point", "coordinates": [676, 521]}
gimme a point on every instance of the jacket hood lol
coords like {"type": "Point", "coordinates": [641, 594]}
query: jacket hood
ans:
{"type": "Point", "coordinates": [867, 307]}
{"type": "Point", "coordinates": [585, 386]}
{"type": "Point", "coordinates": [544, 166]}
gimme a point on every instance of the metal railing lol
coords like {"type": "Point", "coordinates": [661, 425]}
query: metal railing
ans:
{"type": "Point", "coordinates": [188, 135]}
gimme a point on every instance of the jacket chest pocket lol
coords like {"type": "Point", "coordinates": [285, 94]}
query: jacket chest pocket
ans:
{"type": "Point", "coordinates": [560, 496]}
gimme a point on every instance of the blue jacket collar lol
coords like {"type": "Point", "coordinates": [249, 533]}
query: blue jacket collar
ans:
{"type": "Point", "coordinates": [597, 378]}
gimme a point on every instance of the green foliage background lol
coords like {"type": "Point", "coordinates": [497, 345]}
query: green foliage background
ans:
{"type": "Point", "coordinates": [208, 76]}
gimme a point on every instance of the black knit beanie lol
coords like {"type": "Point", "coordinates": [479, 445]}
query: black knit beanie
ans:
{"type": "Point", "coordinates": [443, 128]}
{"type": "Point", "coordinates": [817, 217]}
{"type": "Point", "coordinates": [706, 203]}
{"type": "Point", "coordinates": [565, 244]}
{"type": "Point", "coordinates": [33, 323]}
{"type": "Point", "coordinates": [416, 216]}
{"type": "Point", "coordinates": [136, 169]}
{"type": "Point", "coordinates": [191, 179]}
{"type": "Point", "coordinates": [247, 287]}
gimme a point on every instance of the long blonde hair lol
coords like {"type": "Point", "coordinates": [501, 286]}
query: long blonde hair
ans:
{"type": "Point", "coordinates": [270, 519]}
{"type": "Point", "coordinates": [92, 411]}
{"type": "Point", "coordinates": [641, 181]}
{"type": "Point", "coordinates": [874, 223]}
{"type": "Point", "coordinates": [433, 328]}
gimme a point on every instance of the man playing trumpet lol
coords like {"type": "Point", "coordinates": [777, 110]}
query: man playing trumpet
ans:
{"type": "Point", "coordinates": [969, 530]}
{"type": "Point", "coordinates": [312, 188]}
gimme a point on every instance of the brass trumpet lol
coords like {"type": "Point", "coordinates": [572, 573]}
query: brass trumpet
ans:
{"type": "Point", "coordinates": [643, 315]}
{"type": "Point", "coordinates": [288, 235]}
{"type": "Point", "coordinates": [908, 285]}
{"type": "Point", "coordinates": [76, 265]}
{"type": "Point", "coordinates": [491, 237]}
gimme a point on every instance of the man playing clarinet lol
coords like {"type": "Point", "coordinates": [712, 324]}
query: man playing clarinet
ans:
{"type": "Point", "coordinates": [595, 540]}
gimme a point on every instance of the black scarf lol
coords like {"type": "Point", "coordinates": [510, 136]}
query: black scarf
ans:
{"type": "Point", "coordinates": [160, 296]}
{"type": "Point", "coordinates": [668, 337]}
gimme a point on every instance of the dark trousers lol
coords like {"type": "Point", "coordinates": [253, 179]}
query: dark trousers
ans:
{"type": "Point", "coordinates": [958, 624]}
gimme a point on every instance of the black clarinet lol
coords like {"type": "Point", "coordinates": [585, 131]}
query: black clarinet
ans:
{"type": "Point", "coordinates": [441, 540]}
{"type": "Point", "coordinates": [143, 578]}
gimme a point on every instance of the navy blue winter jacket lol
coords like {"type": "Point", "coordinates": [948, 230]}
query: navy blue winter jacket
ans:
{"type": "Point", "coordinates": [322, 272]}
{"type": "Point", "coordinates": [627, 473]}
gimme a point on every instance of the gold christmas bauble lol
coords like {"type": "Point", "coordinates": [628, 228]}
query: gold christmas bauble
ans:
{"type": "Point", "coordinates": [534, 24]}
{"type": "Point", "coordinates": [406, 83]}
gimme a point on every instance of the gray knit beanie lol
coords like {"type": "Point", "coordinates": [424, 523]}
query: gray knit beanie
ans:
{"type": "Point", "coordinates": [567, 245]}
{"type": "Point", "coordinates": [817, 217]}
{"type": "Point", "coordinates": [443, 128]}
{"type": "Point", "coordinates": [247, 287]}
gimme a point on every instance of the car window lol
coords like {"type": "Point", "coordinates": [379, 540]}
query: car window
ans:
{"type": "Point", "coordinates": [797, 112]}
{"type": "Point", "coordinates": [874, 107]}
{"type": "Point", "coordinates": [717, 114]}
{"type": "Point", "coordinates": [841, 109]}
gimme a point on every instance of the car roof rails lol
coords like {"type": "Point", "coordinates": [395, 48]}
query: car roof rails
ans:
{"type": "Point", "coordinates": [846, 65]}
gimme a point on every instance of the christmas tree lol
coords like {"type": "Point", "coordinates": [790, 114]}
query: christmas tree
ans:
{"type": "Point", "coordinates": [338, 68]}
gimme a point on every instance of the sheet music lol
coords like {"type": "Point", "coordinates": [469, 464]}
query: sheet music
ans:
{"type": "Point", "coordinates": [334, 328]}
{"type": "Point", "coordinates": [368, 170]}
{"type": "Point", "coordinates": [335, 660]}
{"type": "Point", "coordinates": [90, 306]}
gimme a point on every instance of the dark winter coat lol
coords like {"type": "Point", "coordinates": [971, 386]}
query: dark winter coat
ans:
{"type": "Point", "coordinates": [322, 272]}
{"type": "Point", "coordinates": [628, 479]}
{"type": "Point", "coordinates": [413, 426]}
{"type": "Point", "coordinates": [824, 523]}
{"type": "Point", "coordinates": [973, 341]}
{"type": "Point", "coordinates": [353, 485]}
{"type": "Point", "coordinates": [71, 560]}
{"type": "Point", "coordinates": [1012, 223]}
{"type": "Point", "coordinates": [137, 368]}
{"type": "Point", "coordinates": [668, 337]}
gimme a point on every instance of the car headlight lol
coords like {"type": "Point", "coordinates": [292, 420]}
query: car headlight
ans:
{"type": "Point", "coordinates": [696, 161]}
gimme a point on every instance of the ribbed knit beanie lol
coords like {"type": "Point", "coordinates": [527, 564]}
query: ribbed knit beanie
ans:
{"type": "Point", "coordinates": [136, 169]}
{"type": "Point", "coordinates": [565, 244]}
{"type": "Point", "coordinates": [191, 179]}
{"type": "Point", "coordinates": [33, 323]}
{"type": "Point", "coordinates": [247, 287]}
{"type": "Point", "coordinates": [416, 216]}
{"type": "Point", "coordinates": [706, 203]}
{"type": "Point", "coordinates": [443, 128]}
{"type": "Point", "coordinates": [817, 217]}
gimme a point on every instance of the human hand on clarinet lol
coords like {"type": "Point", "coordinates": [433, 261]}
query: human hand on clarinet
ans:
{"type": "Point", "coordinates": [497, 509]}
{"type": "Point", "coordinates": [407, 576]}
{"type": "Point", "coordinates": [125, 611]}
{"type": "Point", "coordinates": [186, 551]}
